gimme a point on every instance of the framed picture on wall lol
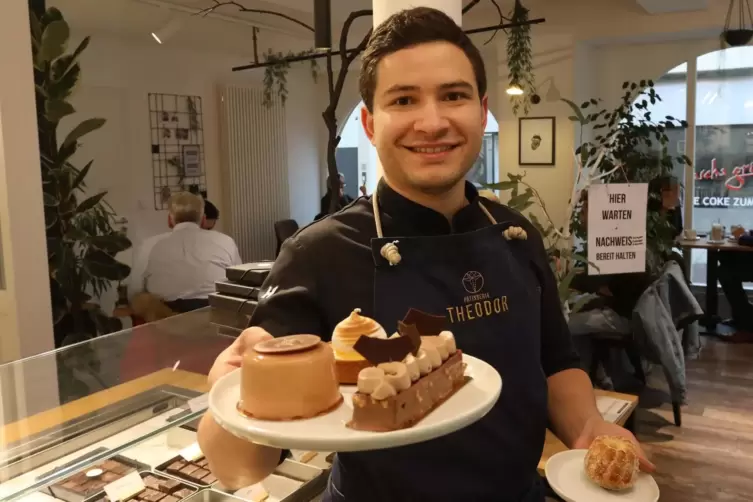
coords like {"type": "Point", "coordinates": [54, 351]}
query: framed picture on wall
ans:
{"type": "Point", "coordinates": [536, 141]}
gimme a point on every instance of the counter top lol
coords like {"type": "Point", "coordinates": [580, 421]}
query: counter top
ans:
{"type": "Point", "coordinates": [47, 419]}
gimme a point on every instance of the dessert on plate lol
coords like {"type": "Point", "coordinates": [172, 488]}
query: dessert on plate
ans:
{"type": "Point", "coordinates": [411, 374]}
{"type": "Point", "coordinates": [289, 378]}
{"type": "Point", "coordinates": [612, 462]}
{"type": "Point", "coordinates": [348, 362]}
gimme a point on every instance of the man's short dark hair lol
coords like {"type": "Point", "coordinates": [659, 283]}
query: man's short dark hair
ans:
{"type": "Point", "coordinates": [210, 211]}
{"type": "Point", "coordinates": [411, 27]}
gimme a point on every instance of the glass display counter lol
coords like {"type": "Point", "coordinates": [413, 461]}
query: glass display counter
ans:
{"type": "Point", "coordinates": [76, 422]}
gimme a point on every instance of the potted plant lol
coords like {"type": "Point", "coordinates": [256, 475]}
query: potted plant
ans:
{"type": "Point", "coordinates": [81, 241]}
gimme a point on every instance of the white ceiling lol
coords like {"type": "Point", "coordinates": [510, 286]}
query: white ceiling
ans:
{"type": "Point", "coordinates": [666, 6]}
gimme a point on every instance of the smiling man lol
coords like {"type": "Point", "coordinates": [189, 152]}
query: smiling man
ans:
{"type": "Point", "coordinates": [424, 87]}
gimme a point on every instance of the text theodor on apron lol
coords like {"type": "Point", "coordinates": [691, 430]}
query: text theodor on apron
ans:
{"type": "Point", "coordinates": [476, 303]}
{"type": "Point", "coordinates": [616, 228]}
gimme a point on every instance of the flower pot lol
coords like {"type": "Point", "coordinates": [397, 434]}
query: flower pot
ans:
{"type": "Point", "coordinates": [737, 38]}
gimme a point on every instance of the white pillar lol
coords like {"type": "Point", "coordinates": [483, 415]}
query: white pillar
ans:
{"type": "Point", "coordinates": [385, 8]}
{"type": "Point", "coordinates": [25, 312]}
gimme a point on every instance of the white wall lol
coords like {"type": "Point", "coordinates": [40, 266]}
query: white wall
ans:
{"type": "Point", "coordinates": [25, 313]}
{"type": "Point", "coordinates": [117, 76]}
{"type": "Point", "coordinates": [590, 47]}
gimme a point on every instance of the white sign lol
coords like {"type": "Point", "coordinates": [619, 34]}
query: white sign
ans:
{"type": "Point", "coordinates": [191, 452]}
{"type": "Point", "coordinates": [125, 487]}
{"type": "Point", "coordinates": [617, 228]}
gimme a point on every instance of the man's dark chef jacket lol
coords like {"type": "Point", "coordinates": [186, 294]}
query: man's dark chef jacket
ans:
{"type": "Point", "coordinates": [328, 269]}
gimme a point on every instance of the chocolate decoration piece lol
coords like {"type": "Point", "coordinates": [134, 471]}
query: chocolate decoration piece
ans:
{"type": "Point", "coordinates": [427, 324]}
{"type": "Point", "coordinates": [411, 332]}
{"type": "Point", "coordinates": [379, 350]}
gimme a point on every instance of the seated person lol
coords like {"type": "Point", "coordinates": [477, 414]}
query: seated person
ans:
{"type": "Point", "coordinates": [734, 270]}
{"type": "Point", "coordinates": [181, 267]}
{"type": "Point", "coordinates": [343, 199]}
{"type": "Point", "coordinates": [611, 311]}
{"type": "Point", "coordinates": [211, 215]}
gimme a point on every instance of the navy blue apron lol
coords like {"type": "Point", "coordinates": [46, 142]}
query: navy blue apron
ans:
{"type": "Point", "coordinates": [489, 291]}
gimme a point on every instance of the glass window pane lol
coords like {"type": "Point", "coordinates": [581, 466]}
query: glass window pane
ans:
{"type": "Point", "coordinates": [724, 145]}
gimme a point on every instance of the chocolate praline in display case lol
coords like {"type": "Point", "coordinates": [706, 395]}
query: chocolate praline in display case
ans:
{"type": "Point", "coordinates": [122, 407]}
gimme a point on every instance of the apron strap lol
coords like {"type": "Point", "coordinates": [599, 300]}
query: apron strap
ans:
{"type": "Point", "coordinates": [390, 252]}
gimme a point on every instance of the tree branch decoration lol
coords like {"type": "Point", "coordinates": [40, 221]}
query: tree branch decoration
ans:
{"type": "Point", "coordinates": [520, 59]}
{"type": "Point", "coordinates": [276, 74]}
{"type": "Point", "coordinates": [81, 242]}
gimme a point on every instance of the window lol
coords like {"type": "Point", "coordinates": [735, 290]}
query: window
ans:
{"type": "Point", "coordinates": [486, 167]}
{"type": "Point", "coordinates": [723, 121]}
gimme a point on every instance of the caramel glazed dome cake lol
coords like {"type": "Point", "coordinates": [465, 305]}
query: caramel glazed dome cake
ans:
{"type": "Point", "coordinates": [289, 378]}
{"type": "Point", "coordinates": [348, 362]}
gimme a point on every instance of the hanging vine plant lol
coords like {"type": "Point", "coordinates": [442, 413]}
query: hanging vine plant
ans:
{"type": "Point", "coordinates": [520, 60]}
{"type": "Point", "coordinates": [276, 75]}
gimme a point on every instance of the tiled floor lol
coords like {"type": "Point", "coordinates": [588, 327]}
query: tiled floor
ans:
{"type": "Point", "coordinates": [709, 458]}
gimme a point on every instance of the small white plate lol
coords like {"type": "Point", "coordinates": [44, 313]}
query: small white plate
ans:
{"type": "Point", "coordinates": [329, 433]}
{"type": "Point", "coordinates": [567, 477]}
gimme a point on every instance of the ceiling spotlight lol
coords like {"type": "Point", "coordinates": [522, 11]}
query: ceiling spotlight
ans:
{"type": "Point", "coordinates": [322, 25]}
{"type": "Point", "coordinates": [171, 28]}
{"type": "Point", "coordinates": [515, 90]}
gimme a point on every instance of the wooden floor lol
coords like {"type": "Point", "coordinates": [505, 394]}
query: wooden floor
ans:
{"type": "Point", "coordinates": [709, 458]}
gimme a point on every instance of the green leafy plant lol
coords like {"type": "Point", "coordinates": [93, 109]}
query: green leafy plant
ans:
{"type": "Point", "coordinates": [564, 261]}
{"type": "Point", "coordinates": [81, 242]}
{"type": "Point", "coordinates": [276, 74]}
{"type": "Point", "coordinates": [638, 148]}
{"type": "Point", "coordinates": [520, 59]}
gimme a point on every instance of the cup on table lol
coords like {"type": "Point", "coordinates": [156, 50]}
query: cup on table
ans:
{"type": "Point", "coordinates": [690, 234]}
{"type": "Point", "coordinates": [717, 232]}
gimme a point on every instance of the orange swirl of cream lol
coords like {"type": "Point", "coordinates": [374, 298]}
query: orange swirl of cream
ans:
{"type": "Point", "coordinates": [349, 330]}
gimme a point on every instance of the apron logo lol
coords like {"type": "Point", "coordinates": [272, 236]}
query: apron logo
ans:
{"type": "Point", "coordinates": [477, 304]}
{"type": "Point", "coordinates": [473, 282]}
{"type": "Point", "coordinates": [268, 293]}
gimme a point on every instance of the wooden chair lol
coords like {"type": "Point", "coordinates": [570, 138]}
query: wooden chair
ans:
{"type": "Point", "coordinates": [604, 342]}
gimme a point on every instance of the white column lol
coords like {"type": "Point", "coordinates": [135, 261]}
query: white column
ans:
{"type": "Point", "coordinates": [25, 312]}
{"type": "Point", "coordinates": [385, 8]}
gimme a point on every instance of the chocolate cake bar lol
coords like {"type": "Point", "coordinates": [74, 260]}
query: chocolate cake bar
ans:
{"type": "Point", "coordinates": [88, 483]}
{"type": "Point", "coordinates": [196, 471]}
{"type": "Point", "coordinates": [409, 406]}
{"type": "Point", "coordinates": [160, 489]}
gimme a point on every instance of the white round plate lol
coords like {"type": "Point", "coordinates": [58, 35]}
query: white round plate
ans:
{"type": "Point", "coordinates": [329, 433]}
{"type": "Point", "coordinates": [567, 477]}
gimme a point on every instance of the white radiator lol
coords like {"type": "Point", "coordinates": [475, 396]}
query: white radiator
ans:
{"type": "Point", "coordinates": [255, 169]}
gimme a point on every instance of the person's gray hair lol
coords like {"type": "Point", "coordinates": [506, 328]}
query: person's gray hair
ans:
{"type": "Point", "coordinates": [186, 207]}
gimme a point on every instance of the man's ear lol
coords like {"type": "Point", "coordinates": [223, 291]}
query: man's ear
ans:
{"type": "Point", "coordinates": [485, 110]}
{"type": "Point", "coordinates": [367, 120]}
{"type": "Point", "coordinates": [170, 223]}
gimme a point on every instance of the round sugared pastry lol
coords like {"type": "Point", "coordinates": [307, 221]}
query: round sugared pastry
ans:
{"type": "Point", "coordinates": [288, 378]}
{"type": "Point", "coordinates": [612, 462]}
{"type": "Point", "coordinates": [348, 362]}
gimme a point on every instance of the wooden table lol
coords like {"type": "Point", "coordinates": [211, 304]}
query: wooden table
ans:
{"type": "Point", "coordinates": [712, 319]}
{"type": "Point", "coordinates": [552, 444]}
{"type": "Point", "coordinates": [51, 418]}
